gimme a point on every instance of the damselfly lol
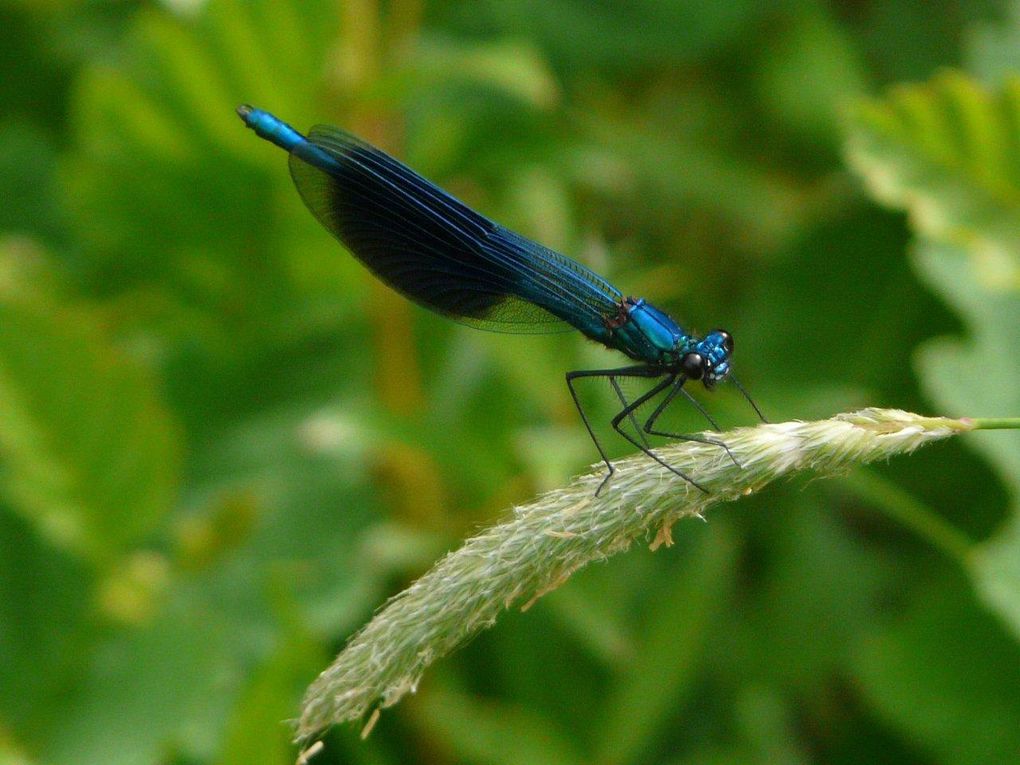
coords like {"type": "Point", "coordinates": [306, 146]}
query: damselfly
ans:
{"type": "Point", "coordinates": [443, 255]}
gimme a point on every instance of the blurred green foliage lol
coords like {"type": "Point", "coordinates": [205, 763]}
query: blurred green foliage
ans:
{"type": "Point", "coordinates": [222, 444]}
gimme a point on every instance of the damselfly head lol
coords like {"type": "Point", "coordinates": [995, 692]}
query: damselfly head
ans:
{"type": "Point", "coordinates": [713, 354]}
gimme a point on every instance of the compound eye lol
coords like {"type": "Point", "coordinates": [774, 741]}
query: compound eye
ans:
{"type": "Point", "coordinates": [726, 339]}
{"type": "Point", "coordinates": [693, 365]}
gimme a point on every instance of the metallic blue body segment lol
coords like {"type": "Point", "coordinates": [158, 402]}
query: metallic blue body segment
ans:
{"type": "Point", "coordinates": [270, 127]}
{"type": "Point", "coordinates": [438, 252]}
{"type": "Point", "coordinates": [649, 335]}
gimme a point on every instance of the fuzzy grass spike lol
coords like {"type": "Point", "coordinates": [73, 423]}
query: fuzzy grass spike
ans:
{"type": "Point", "coordinates": [535, 551]}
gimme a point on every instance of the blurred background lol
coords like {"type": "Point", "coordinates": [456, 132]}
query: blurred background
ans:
{"type": "Point", "coordinates": [223, 444]}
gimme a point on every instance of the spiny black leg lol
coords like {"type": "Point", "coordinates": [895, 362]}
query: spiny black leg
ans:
{"type": "Point", "coordinates": [704, 412]}
{"type": "Point", "coordinates": [649, 427]}
{"type": "Point", "coordinates": [634, 405]}
{"type": "Point", "coordinates": [571, 376]}
{"type": "Point", "coordinates": [678, 386]}
{"type": "Point", "coordinates": [623, 403]}
{"type": "Point", "coordinates": [634, 371]}
{"type": "Point", "coordinates": [750, 400]}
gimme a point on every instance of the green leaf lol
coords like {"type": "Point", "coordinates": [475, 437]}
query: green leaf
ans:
{"type": "Point", "coordinates": [176, 206]}
{"type": "Point", "coordinates": [949, 154]}
{"type": "Point", "coordinates": [90, 456]}
{"type": "Point", "coordinates": [161, 688]}
{"type": "Point", "coordinates": [947, 673]}
{"type": "Point", "coordinates": [807, 610]}
{"type": "Point", "coordinates": [46, 618]}
{"type": "Point", "coordinates": [996, 566]}
{"type": "Point", "coordinates": [666, 661]}
{"type": "Point", "coordinates": [256, 732]}
{"type": "Point", "coordinates": [495, 734]}
{"type": "Point", "coordinates": [620, 35]}
{"type": "Point", "coordinates": [27, 182]}
{"type": "Point", "coordinates": [514, 68]}
{"type": "Point", "coordinates": [977, 375]}
{"type": "Point", "coordinates": [993, 49]}
{"type": "Point", "coordinates": [810, 68]}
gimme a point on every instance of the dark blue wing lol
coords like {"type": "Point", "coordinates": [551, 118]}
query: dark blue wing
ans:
{"type": "Point", "coordinates": [436, 250]}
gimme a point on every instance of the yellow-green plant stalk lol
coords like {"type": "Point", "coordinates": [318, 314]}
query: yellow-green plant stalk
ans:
{"type": "Point", "coordinates": [546, 541]}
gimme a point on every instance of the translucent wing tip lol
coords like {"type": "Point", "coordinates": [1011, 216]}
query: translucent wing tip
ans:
{"type": "Point", "coordinates": [244, 111]}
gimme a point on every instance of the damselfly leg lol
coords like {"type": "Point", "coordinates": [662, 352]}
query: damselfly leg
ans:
{"type": "Point", "coordinates": [672, 382]}
{"type": "Point", "coordinates": [747, 396]}
{"type": "Point", "coordinates": [649, 426]}
{"type": "Point", "coordinates": [612, 374]}
{"type": "Point", "coordinates": [629, 410]}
